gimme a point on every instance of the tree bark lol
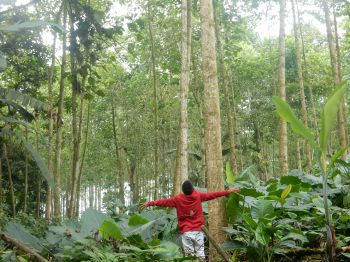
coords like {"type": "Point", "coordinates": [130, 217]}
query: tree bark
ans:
{"type": "Point", "coordinates": [182, 149]}
{"type": "Point", "coordinates": [155, 99]}
{"type": "Point", "coordinates": [1, 177]}
{"type": "Point", "coordinates": [118, 159]}
{"type": "Point", "coordinates": [59, 125]}
{"type": "Point", "coordinates": [26, 177]}
{"type": "Point", "coordinates": [301, 85]}
{"type": "Point", "coordinates": [336, 78]}
{"type": "Point", "coordinates": [9, 171]}
{"type": "Point", "coordinates": [283, 135]}
{"type": "Point", "coordinates": [40, 181]}
{"type": "Point", "coordinates": [213, 148]}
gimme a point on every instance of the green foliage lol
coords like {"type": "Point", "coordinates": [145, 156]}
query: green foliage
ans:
{"type": "Point", "coordinates": [109, 229]}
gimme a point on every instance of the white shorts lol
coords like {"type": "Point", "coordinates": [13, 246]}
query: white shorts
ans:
{"type": "Point", "coordinates": [193, 243]}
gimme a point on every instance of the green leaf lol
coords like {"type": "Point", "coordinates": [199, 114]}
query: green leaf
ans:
{"type": "Point", "coordinates": [28, 25]}
{"type": "Point", "coordinates": [296, 236]}
{"type": "Point", "coordinates": [286, 191]}
{"type": "Point", "coordinates": [136, 220]}
{"type": "Point", "coordinates": [286, 113]}
{"type": "Point", "coordinates": [263, 209]}
{"type": "Point", "coordinates": [336, 155]}
{"type": "Point", "coordinates": [109, 229]}
{"type": "Point", "coordinates": [38, 159]}
{"type": "Point", "coordinates": [250, 221]}
{"type": "Point", "coordinates": [230, 178]}
{"type": "Point", "coordinates": [328, 115]}
{"type": "Point", "coordinates": [91, 220]}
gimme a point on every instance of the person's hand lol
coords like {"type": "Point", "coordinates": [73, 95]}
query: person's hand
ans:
{"type": "Point", "coordinates": [234, 189]}
{"type": "Point", "coordinates": [143, 206]}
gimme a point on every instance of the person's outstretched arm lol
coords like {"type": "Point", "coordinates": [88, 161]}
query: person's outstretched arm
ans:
{"type": "Point", "coordinates": [213, 195]}
{"type": "Point", "coordinates": [165, 202]}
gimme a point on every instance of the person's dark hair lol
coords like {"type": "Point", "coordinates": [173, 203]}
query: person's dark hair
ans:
{"type": "Point", "coordinates": [187, 187]}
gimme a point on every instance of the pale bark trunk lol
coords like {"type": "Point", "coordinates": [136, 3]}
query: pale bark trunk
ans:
{"type": "Point", "coordinates": [38, 190]}
{"type": "Point", "coordinates": [298, 156]}
{"type": "Point", "coordinates": [120, 178]}
{"type": "Point", "coordinates": [336, 77]}
{"type": "Point", "coordinates": [91, 196]}
{"type": "Point", "coordinates": [182, 151]}
{"type": "Point", "coordinates": [213, 146]}
{"type": "Point", "coordinates": [301, 86]}
{"type": "Point", "coordinates": [155, 98]}
{"type": "Point", "coordinates": [283, 135]}
{"type": "Point", "coordinates": [9, 171]}
{"type": "Point", "coordinates": [59, 124]}
{"type": "Point", "coordinates": [224, 83]}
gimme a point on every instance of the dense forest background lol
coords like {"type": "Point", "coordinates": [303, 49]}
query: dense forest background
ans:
{"type": "Point", "coordinates": [106, 104]}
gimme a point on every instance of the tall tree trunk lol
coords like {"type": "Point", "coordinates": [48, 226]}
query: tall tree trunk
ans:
{"type": "Point", "coordinates": [1, 177]}
{"type": "Point", "coordinates": [9, 171]}
{"type": "Point", "coordinates": [118, 159]}
{"type": "Point", "coordinates": [40, 181]}
{"type": "Point", "coordinates": [213, 148]}
{"type": "Point", "coordinates": [51, 120]}
{"type": "Point", "coordinates": [76, 126]}
{"type": "Point", "coordinates": [59, 125]}
{"type": "Point", "coordinates": [298, 156]}
{"type": "Point", "coordinates": [336, 78]}
{"type": "Point", "coordinates": [301, 85]}
{"type": "Point", "coordinates": [155, 98]}
{"type": "Point", "coordinates": [91, 196]}
{"type": "Point", "coordinates": [283, 135]}
{"type": "Point", "coordinates": [182, 148]}
{"type": "Point", "coordinates": [26, 177]}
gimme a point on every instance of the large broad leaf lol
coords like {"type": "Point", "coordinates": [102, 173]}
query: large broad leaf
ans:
{"type": "Point", "coordinates": [91, 220]}
{"type": "Point", "coordinates": [232, 207]}
{"type": "Point", "coordinates": [136, 220]}
{"type": "Point", "coordinates": [109, 229]}
{"type": "Point", "coordinates": [329, 114]}
{"type": "Point", "coordinates": [18, 232]}
{"type": "Point", "coordinates": [38, 159]}
{"type": "Point", "coordinates": [28, 25]}
{"type": "Point", "coordinates": [263, 209]}
{"type": "Point", "coordinates": [286, 113]}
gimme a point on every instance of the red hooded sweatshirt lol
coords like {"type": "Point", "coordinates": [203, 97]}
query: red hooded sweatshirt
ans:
{"type": "Point", "coordinates": [188, 208]}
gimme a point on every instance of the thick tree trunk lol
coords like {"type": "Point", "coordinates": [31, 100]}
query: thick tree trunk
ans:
{"type": "Point", "coordinates": [182, 148]}
{"type": "Point", "coordinates": [213, 148]}
{"type": "Point", "coordinates": [9, 171]}
{"type": "Point", "coordinates": [225, 80]}
{"type": "Point", "coordinates": [155, 99]}
{"type": "Point", "coordinates": [336, 78]}
{"type": "Point", "coordinates": [59, 125]}
{"type": "Point", "coordinates": [301, 86]}
{"type": "Point", "coordinates": [283, 135]}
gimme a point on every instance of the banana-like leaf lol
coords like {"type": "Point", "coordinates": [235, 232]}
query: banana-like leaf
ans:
{"type": "Point", "coordinates": [329, 114]}
{"type": "Point", "coordinates": [38, 159]}
{"type": "Point", "coordinates": [336, 155]}
{"type": "Point", "coordinates": [28, 25]}
{"type": "Point", "coordinates": [286, 113]}
{"type": "Point", "coordinates": [15, 121]}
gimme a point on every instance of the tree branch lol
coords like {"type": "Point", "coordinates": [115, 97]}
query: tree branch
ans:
{"type": "Point", "coordinates": [22, 246]}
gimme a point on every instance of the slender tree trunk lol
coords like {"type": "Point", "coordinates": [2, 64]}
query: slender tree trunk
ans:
{"type": "Point", "coordinates": [213, 149]}
{"type": "Point", "coordinates": [26, 177]}
{"type": "Point", "coordinates": [38, 190]}
{"type": "Point", "coordinates": [301, 85]}
{"type": "Point", "coordinates": [91, 196]}
{"type": "Point", "coordinates": [224, 83]}
{"type": "Point", "coordinates": [9, 171]}
{"type": "Point", "coordinates": [336, 77]}
{"type": "Point", "coordinates": [182, 148]}
{"type": "Point", "coordinates": [298, 156]}
{"type": "Point", "coordinates": [155, 98]}
{"type": "Point", "coordinates": [1, 189]}
{"type": "Point", "coordinates": [283, 135]}
{"type": "Point", "coordinates": [51, 120]}
{"type": "Point", "coordinates": [59, 125]}
{"type": "Point", "coordinates": [119, 172]}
